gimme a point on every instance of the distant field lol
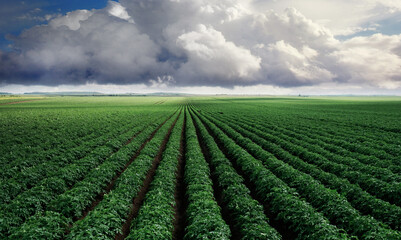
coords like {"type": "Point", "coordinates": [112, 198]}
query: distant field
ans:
{"type": "Point", "coordinates": [200, 168]}
{"type": "Point", "coordinates": [16, 99]}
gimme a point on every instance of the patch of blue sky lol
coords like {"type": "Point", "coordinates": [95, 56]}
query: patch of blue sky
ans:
{"type": "Point", "coordinates": [63, 6]}
{"type": "Point", "coordinates": [15, 16]}
{"type": "Point", "coordinates": [389, 26]}
{"type": "Point", "coordinates": [358, 34]}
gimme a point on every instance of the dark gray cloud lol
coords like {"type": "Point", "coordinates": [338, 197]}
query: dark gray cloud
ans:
{"type": "Point", "coordinates": [195, 43]}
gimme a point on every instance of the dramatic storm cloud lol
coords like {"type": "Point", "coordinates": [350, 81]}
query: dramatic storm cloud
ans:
{"type": "Point", "coordinates": [224, 43]}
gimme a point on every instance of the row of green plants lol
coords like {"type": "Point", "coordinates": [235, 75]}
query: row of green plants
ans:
{"type": "Point", "coordinates": [35, 200]}
{"type": "Point", "coordinates": [359, 199]}
{"type": "Point", "coordinates": [379, 118]}
{"type": "Point", "coordinates": [14, 165]}
{"type": "Point", "coordinates": [69, 149]}
{"type": "Point", "coordinates": [383, 169]}
{"type": "Point", "coordinates": [245, 212]}
{"type": "Point", "coordinates": [381, 189]}
{"type": "Point", "coordinates": [306, 144]}
{"type": "Point", "coordinates": [334, 206]}
{"type": "Point", "coordinates": [71, 204]}
{"type": "Point", "coordinates": [203, 214]}
{"type": "Point", "coordinates": [344, 126]}
{"type": "Point", "coordinates": [385, 145]}
{"type": "Point", "coordinates": [388, 174]}
{"type": "Point", "coordinates": [29, 177]}
{"type": "Point", "coordinates": [37, 134]}
{"type": "Point", "coordinates": [156, 215]}
{"type": "Point", "coordinates": [368, 167]}
{"type": "Point", "coordinates": [107, 218]}
{"type": "Point", "coordinates": [320, 119]}
{"type": "Point", "coordinates": [346, 140]}
{"type": "Point", "coordinates": [387, 165]}
{"type": "Point", "coordinates": [375, 121]}
{"type": "Point", "coordinates": [74, 201]}
{"type": "Point", "coordinates": [365, 149]}
{"type": "Point", "coordinates": [283, 201]}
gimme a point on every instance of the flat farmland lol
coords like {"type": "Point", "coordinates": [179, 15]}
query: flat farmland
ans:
{"type": "Point", "coordinates": [200, 168]}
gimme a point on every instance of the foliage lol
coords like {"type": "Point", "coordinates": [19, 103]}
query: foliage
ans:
{"type": "Point", "coordinates": [309, 168]}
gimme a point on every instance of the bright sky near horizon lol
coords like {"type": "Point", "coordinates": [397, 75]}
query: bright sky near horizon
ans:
{"type": "Point", "coordinates": [202, 46]}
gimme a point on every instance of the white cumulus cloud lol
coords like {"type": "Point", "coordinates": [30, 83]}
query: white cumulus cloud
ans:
{"type": "Point", "coordinates": [117, 10]}
{"type": "Point", "coordinates": [224, 43]}
{"type": "Point", "coordinates": [211, 57]}
{"type": "Point", "coordinates": [71, 20]}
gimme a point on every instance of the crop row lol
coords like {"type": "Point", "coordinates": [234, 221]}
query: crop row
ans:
{"type": "Point", "coordinates": [333, 205]}
{"type": "Point", "coordinates": [37, 135]}
{"type": "Point", "coordinates": [282, 200]}
{"type": "Point", "coordinates": [71, 204]}
{"type": "Point", "coordinates": [352, 135]}
{"type": "Point", "coordinates": [15, 165]}
{"type": "Point", "coordinates": [387, 165]}
{"type": "Point", "coordinates": [36, 199]}
{"type": "Point", "coordinates": [386, 125]}
{"type": "Point", "coordinates": [361, 200]}
{"type": "Point", "coordinates": [156, 215]}
{"type": "Point", "coordinates": [383, 190]}
{"type": "Point", "coordinates": [360, 118]}
{"type": "Point", "coordinates": [348, 155]}
{"type": "Point", "coordinates": [345, 168]}
{"type": "Point", "coordinates": [245, 212]}
{"type": "Point", "coordinates": [204, 219]}
{"type": "Point", "coordinates": [351, 141]}
{"type": "Point", "coordinates": [324, 135]}
{"type": "Point", "coordinates": [107, 218]}
{"type": "Point", "coordinates": [344, 130]}
{"type": "Point", "coordinates": [367, 148]}
{"type": "Point", "coordinates": [63, 151]}
{"type": "Point", "coordinates": [29, 177]}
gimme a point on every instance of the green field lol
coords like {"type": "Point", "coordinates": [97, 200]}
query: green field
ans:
{"type": "Point", "coordinates": [200, 168]}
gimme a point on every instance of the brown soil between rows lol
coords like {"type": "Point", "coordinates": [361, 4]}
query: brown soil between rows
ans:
{"type": "Point", "coordinates": [179, 195]}
{"type": "Point", "coordinates": [126, 143]}
{"type": "Point", "coordinates": [138, 200]}
{"type": "Point", "coordinates": [217, 191]}
{"type": "Point", "coordinates": [279, 225]}
{"type": "Point", "coordinates": [110, 186]}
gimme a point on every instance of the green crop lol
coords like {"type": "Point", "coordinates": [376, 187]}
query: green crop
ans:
{"type": "Point", "coordinates": [200, 168]}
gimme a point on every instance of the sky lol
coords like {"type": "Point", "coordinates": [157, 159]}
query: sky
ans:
{"type": "Point", "coordinates": [282, 47]}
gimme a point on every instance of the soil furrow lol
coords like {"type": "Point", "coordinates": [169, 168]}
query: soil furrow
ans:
{"type": "Point", "coordinates": [31, 185]}
{"type": "Point", "coordinates": [280, 226]}
{"type": "Point", "coordinates": [128, 141]}
{"type": "Point", "coordinates": [138, 200]}
{"type": "Point", "coordinates": [110, 186]}
{"type": "Point", "coordinates": [179, 195]}
{"type": "Point", "coordinates": [217, 191]}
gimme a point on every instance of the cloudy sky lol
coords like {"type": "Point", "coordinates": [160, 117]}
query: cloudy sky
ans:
{"type": "Point", "coordinates": [201, 46]}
